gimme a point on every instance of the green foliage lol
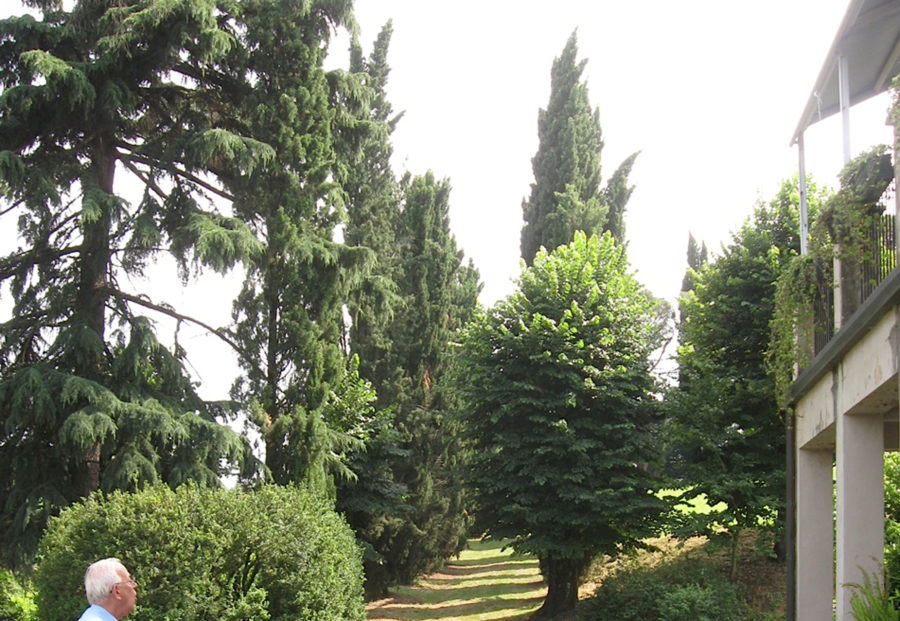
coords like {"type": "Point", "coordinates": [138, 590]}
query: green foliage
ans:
{"type": "Point", "coordinates": [682, 590]}
{"type": "Point", "coordinates": [277, 553]}
{"type": "Point", "coordinates": [558, 408]}
{"type": "Point", "coordinates": [892, 522]}
{"type": "Point", "coordinates": [405, 505]}
{"type": "Point", "coordinates": [376, 504]}
{"type": "Point", "coordinates": [438, 295]}
{"type": "Point", "coordinates": [872, 602]}
{"type": "Point", "coordinates": [288, 313]}
{"type": "Point", "coordinates": [16, 600]}
{"type": "Point", "coordinates": [697, 256]}
{"type": "Point", "coordinates": [373, 200]}
{"type": "Point", "coordinates": [566, 195]}
{"type": "Point", "coordinates": [89, 396]}
{"type": "Point", "coordinates": [840, 229]}
{"type": "Point", "coordinates": [725, 428]}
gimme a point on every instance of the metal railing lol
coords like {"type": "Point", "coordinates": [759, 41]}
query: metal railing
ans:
{"type": "Point", "coordinates": [880, 258]}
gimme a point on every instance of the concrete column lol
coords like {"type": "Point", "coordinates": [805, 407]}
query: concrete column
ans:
{"type": "Point", "coordinates": [815, 535]}
{"type": "Point", "coordinates": [860, 503]}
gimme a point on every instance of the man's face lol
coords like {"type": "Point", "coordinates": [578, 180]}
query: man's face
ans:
{"type": "Point", "coordinates": [126, 590]}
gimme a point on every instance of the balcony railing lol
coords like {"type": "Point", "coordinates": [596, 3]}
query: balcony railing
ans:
{"type": "Point", "coordinates": [869, 272]}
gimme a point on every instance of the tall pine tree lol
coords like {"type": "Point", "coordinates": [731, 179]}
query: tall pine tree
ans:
{"type": "Point", "coordinates": [375, 504]}
{"type": "Point", "coordinates": [439, 295]}
{"type": "Point", "coordinates": [289, 313]}
{"type": "Point", "coordinates": [437, 291]}
{"type": "Point", "coordinates": [373, 205]}
{"type": "Point", "coordinates": [696, 258]}
{"type": "Point", "coordinates": [566, 194]}
{"type": "Point", "coordinates": [89, 397]}
{"type": "Point", "coordinates": [405, 505]}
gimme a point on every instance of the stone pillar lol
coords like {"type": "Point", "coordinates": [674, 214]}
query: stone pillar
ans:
{"type": "Point", "coordinates": [860, 503]}
{"type": "Point", "coordinates": [815, 535]}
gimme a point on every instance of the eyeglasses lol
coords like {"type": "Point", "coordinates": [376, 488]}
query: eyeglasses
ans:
{"type": "Point", "coordinates": [130, 582]}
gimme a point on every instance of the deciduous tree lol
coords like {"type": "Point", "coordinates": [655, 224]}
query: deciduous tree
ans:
{"type": "Point", "coordinates": [727, 431]}
{"type": "Point", "coordinates": [559, 411]}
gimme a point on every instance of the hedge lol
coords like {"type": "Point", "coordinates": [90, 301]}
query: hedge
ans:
{"type": "Point", "coordinates": [275, 554]}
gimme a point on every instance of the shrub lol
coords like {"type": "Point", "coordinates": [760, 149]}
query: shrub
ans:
{"type": "Point", "coordinates": [675, 591]}
{"type": "Point", "coordinates": [199, 554]}
{"type": "Point", "coordinates": [16, 601]}
{"type": "Point", "coordinates": [695, 602]}
{"type": "Point", "coordinates": [871, 602]}
{"type": "Point", "coordinates": [892, 522]}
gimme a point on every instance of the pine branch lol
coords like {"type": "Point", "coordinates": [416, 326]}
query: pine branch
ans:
{"type": "Point", "coordinates": [28, 320]}
{"type": "Point", "coordinates": [11, 208]}
{"type": "Point", "coordinates": [144, 177]}
{"type": "Point", "coordinates": [146, 303]}
{"type": "Point", "coordinates": [174, 170]}
{"type": "Point", "coordinates": [11, 264]}
{"type": "Point", "coordinates": [216, 78]}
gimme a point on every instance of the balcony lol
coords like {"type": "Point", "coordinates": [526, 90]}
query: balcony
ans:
{"type": "Point", "coordinates": [860, 278]}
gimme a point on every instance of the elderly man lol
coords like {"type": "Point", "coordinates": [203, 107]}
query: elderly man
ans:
{"type": "Point", "coordinates": [110, 591]}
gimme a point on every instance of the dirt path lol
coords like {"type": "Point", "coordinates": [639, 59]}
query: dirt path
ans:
{"type": "Point", "coordinates": [483, 584]}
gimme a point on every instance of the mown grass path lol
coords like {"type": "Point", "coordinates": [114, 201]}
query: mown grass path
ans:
{"type": "Point", "coordinates": [484, 583]}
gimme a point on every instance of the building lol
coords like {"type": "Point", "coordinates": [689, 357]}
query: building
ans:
{"type": "Point", "coordinates": [846, 400]}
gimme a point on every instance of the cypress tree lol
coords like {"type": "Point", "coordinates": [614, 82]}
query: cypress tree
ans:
{"type": "Point", "coordinates": [439, 296]}
{"type": "Point", "coordinates": [696, 258]}
{"type": "Point", "coordinates": [375, 504]}
{"type": "Point", "coordinates": [373, 206]}
{"type": "Point", "coordinates": [288, 315]}
{"type": "Point", "coordinates": [566, 194]}
{"type": "Point", "coordinates": [90, 399]}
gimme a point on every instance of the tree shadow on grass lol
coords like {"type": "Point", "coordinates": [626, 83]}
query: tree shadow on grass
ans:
{"type": "Point", "coordinates": [495, 585]}
{"type": "Point", "coordinates": [517, 609]}
{"type": "Point", "coordinates": [457, 569]}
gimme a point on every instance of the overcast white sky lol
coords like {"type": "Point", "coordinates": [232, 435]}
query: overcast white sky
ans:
{"type": "Point", "coordinates": [709, 92]}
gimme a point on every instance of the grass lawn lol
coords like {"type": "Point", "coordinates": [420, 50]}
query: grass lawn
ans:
{"type": "Point", "coordinates": [487, 584]}
{"type": "Point", "coordinates": [483, 584]}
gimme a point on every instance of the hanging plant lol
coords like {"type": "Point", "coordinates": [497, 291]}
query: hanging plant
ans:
{"type": "Point", "coordinates": [840, 230]}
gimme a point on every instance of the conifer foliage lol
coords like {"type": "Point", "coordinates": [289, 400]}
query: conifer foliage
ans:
{"type": "Point", "coordinates": [558, 411]}
{"type": "Point", "coordinates": [288, 313]}
{"type": "Point", "coordinates": [566, 195]}
{"type": "Point", "coordinates": [405, 504]}
{"type": "Point", "coordinates": [89, 397]}
{"type": "Point", "coordinates": [436, 295]}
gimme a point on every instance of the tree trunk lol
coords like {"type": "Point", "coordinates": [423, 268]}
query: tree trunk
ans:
{"type": "Point", "coordinates": [732, 573]}
{"type": "Point", "coordinates": [90, 300]}
{"type": "Point", "coordinates": [561, 576]}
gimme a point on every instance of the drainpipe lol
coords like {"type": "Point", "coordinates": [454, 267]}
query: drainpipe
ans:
{"type": "Point", "coordinates": [896, 199]}
{"type": "Point", "coordinates": [790, 456]}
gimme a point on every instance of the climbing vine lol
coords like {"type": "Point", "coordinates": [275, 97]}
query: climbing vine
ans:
{"type": "Point", "coordinates": [841, 230]}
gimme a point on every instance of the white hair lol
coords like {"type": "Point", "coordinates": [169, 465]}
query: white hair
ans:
{"type": "Point", "coordinates": [100, 578]}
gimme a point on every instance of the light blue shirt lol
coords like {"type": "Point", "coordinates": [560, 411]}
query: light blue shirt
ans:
{"type": "Point", "coordinates": [96, 613]}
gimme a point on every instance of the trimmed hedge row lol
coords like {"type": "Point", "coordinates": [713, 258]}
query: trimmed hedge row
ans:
{"type": "Point", "coordinates": [274, 554]}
